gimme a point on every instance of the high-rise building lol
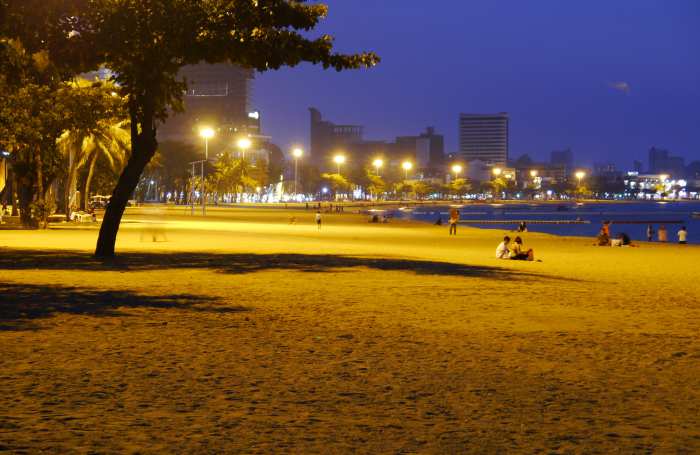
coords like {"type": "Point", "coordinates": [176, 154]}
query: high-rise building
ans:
{"type": "Point", "coordinates": [427, 149]}
{"type": "Point", "coordinates": [484, 137]}
{"type": "Point", "coordinates": [661, 162]}
{"type": "Point", "coordinates": [327, 138]}
{"type": "Point", "coordinates": [562, 158]}
{"type": "Point", "coordinates": [218, 96]}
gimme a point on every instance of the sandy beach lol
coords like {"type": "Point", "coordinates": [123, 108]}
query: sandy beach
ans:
{"type": "Point", "coordinates": [243, 333]}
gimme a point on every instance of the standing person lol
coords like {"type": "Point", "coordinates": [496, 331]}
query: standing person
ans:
{"type": "Point", "coordinates": [650, 233]}
{"type": "Point", "coordinates": [318, 219]}
{"type": "Point", "coordinates": [454, 218]}
{"type": "Point", "coordinates": [683, 235]}
{"type": "Point", "coordinates": [606, 228]}
{"type": "Point", "coordinates": [663, 234]}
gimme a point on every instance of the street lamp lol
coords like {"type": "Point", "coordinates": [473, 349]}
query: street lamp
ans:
{"type": "Point", "coordinates": [663, 178]}
{"type": "Point", "coordinates": [339, 159]}
{"type": "Point", "coordinates": [457, 169]}
{"type": "Point", "coordinates": [296, 153]}
{"type": "Point", "coordinates": [377, 164]}
{"type": "Point", "coordinates": [497, 171]}
{"type": "Point", "coordinates": [407, 166]}
{"type": "Point", "coordinates": [533, 173]}
{"type": "Point", "coordinates": [244, 144]}
{"type": "Point", "coordinates": [580, 175]}
{"type": "Point", "coordinates": [207, 133]}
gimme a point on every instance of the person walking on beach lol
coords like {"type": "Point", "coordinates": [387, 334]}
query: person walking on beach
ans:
{"type": "Point", "coordinates": [650, 233]}
{"type": "Point", "coordinates": [318, 219]}
{"type": "Point", "coordinates": [663, 234]}
{"type": "Point", "coordinates": [683, 236]}
{"type": "Point", "coordinates": [454, 218]}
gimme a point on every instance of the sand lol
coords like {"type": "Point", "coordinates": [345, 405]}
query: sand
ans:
{"type": "Point", "coordinates": [243, 333]}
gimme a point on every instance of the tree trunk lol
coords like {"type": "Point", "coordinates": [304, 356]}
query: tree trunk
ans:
{"type": "Point", "coordinates": [41, 200]}
{"type": "Point", "coordinates": [143, 147]}
{"type": "Point", "coordinates": [70, 185]}
{"type": "Point", "coordinates": [88, 180]}
{"type": "Point", "coordinates": [24, 196]}
{"type": "Point", "coordinates": [15, 194]}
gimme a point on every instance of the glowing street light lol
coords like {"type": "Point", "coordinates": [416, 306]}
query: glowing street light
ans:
{"type": "Point", "coordinates": [457, 169]}
{"type": "Point", "coordinates": [533, 173]}
{"type": "Point", "coordinates": [407, 166]}
{"type": "Point", "coordinates": [663, 178]}
{"type": "Point", "coordinates": [378, 163]}
{"type": "Point", "coordinates": [296, 153]}
{"type": "Point", "coordinates": [244, 144]}
{"type": "Point", "coordinates": [580, 175]}
{"type": "Point", "coordinates": [497, 171]}
{"type": "Point", "coordinates": [339, 159]}
{"type": "Point", "coordinates": [207, 133]}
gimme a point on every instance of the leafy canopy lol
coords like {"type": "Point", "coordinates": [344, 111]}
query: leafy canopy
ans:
{"type": "Point", "coordinates": [146, 42]}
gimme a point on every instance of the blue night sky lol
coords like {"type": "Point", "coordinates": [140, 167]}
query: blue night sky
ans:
{"type": "Point", "coordinates": [558, 67]}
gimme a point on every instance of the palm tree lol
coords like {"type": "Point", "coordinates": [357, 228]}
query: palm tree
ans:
{"type": "Point", "coordinates": [108, 140]}
{"type": "Point", "coordinates": [100, 131]}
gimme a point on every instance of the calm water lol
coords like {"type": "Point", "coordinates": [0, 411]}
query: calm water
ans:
{"type": "Point", "coordinates": [671, 214]}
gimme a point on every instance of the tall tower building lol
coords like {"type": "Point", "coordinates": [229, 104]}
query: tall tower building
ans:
{"type": "Point", "coordinates": [218, 95]}
{"type": "Point", "coordinates": [484, 137]}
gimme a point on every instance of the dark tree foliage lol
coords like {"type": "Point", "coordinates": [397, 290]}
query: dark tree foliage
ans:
{"type": "Point", "coordinates": [146, 42]}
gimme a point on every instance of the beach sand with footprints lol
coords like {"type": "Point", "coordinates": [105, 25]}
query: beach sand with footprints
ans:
{"type": "Point", "coordinates": [243, 333]}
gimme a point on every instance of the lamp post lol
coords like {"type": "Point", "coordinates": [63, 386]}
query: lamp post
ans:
{"type": "Point", "coordinates": [339, 159]}
{"type": "Point", "coordinates": [457, 169]}
{"type": "Point", "coordinates": [207, 133]}
{"type": "Point", "coordinates": [244, 144]}
{"type": "Point", "coordinates": [497, 171]}
{"type": "Point", "coordinates": [580, 175]}
{"type": "Point", "coordinates": [297, 153]}
{"type": "Point", "coordinates": [378, 163]}
{"type": "Point", "coordinates": [535, 184]}
{"type": "Point", "coordinates": [407, 166]}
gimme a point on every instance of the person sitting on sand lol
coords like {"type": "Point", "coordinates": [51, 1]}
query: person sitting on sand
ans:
{"type": "Point", "coordinates": [517, 253]}
{"type": "Point", "coordinates": [502, 251]}
{"type": "Point", "coordinates": [603, 238]}
{"type": "Point", "coordinates": [622, 240]}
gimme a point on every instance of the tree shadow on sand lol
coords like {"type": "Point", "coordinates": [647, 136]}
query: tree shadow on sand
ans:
{"type": "Point", "coordinates": [248, 263]}
{"type": "Point", "coordinates": [23, 303]}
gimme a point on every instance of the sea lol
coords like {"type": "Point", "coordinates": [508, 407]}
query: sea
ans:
{"type": "Point", "coordinates": [570, 218]}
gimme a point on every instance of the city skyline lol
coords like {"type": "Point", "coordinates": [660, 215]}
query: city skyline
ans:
{"type": "Point", "coordinates": [609, 95]}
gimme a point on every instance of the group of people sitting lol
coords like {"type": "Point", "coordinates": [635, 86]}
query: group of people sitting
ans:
{"type": "Point", "coordinates": [515, 250]}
